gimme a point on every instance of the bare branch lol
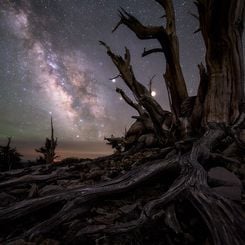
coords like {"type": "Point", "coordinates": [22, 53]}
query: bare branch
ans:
{"type": "Point", "coordinates": [117, 26]}
{"type": "Point", "coordinates": [197, 18]}
{"type": "Point", "coordinates": [198, 30]}
{"type": "Point", "coordinates": [170, 16]}
{"type": "Point", "coordinates": [136, 106]}
{"type": "Point", "coordinates": [142, 32]}
{"type": "Point", "coordinates": [151, 51]}
{"type": "Point", "coordinates": [150, 83]}
{"type": "Point", "coordinates": [105, 45]}
{"type": "Point", "coordinates": [127, 57]}
{"type": "Point", "coordinates": [194, 15]}
{"type": "Point", "coordinates": [141, 93]}
{"type": "Point", "coordinates": [169, 46]}
{"type": "Point", "coordinates": [117, 76]}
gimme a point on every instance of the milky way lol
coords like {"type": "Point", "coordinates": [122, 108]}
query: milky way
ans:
{"type": "Point", "coordinates": [60, 81]}
{"type": "Point", "coordinates": [51, 64]}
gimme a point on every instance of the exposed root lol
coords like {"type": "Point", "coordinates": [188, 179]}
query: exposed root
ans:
{"type": "Point", "coordinates": [223, 218]}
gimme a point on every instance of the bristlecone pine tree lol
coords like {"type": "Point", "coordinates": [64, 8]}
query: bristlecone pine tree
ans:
{"type": "Point", "coordinates": [48, 151]}
{"type": "Point", "coordinates": [9, 157]}
{"type": "Point", "coordinates": [199, 132]}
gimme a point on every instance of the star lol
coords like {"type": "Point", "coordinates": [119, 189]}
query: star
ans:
{"type": "Point", "coordinates": [153, 93]}
{"type": "Point", "coordinates": [52, 65]}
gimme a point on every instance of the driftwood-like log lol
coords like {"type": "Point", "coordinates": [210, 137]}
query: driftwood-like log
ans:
{"type": "Point", "coordinates": [29, 179]}
{"type": "Point", "coordinates": [83, 195]}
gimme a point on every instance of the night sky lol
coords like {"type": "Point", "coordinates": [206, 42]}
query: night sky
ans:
{"type": "Point", "coordinates": [52, 64]}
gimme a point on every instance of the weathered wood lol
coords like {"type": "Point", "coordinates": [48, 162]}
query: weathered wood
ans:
{"type": "Point", "coordinates": [83, 195]}
{"type": "Point", "coordinates": [218, 213]}
{"type": "Point", "coordinates": [223, 218]}
{"type": "Point", "coordinates": [136, 106]}
{"type": "Point", "coordinates": [173, 76]}
{"type": "Point", "coordinates": [29, 179]}
{"type": "Point", "coordinates": [198, 110]}
{"type": "Point", "coordinates": [141, 93]}
{"type": "Point", "coordinates": [221, 25]}
{"type": "Point", "coordinates": [168, 40]}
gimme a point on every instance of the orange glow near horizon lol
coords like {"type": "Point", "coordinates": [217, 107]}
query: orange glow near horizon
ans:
{"type": "Point", "coordinates": [85, 150]}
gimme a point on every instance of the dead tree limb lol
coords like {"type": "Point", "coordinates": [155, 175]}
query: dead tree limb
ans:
{"type": "Point", "coordinates": [169, 46]}
{"type": "Point", "coordinates": [142, 94]}
{"type": "Point", "coordinates": [151, 51]}
{"type": "Point", "coordinates": [136, 106]}
{"type": "Point", "coordinates": [84, 195]}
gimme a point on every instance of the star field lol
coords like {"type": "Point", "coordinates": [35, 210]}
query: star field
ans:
{"type": "Point", "coordinates": [52, 64]}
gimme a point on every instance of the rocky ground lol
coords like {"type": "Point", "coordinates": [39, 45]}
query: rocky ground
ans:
{"type": "Point", "coordinates": [37, 182]}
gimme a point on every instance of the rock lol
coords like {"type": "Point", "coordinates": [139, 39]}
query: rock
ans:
{"type": "Point", "coordinates": [221, 177]}
{"type": "Point", "coordinates": [49, 189]}
{"type": "Point", "coordinates": [225, 183]}
{"type": "Point", "coordinates": [231, 192]}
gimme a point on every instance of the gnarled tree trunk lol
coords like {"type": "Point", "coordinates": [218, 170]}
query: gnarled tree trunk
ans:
{"type": "Point", "coordinates": [221, 24]}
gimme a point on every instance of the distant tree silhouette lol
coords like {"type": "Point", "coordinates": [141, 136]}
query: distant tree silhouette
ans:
{"type": "Point", "coordinates": [9, 157]}
{"type": "Point", "coordinates": [48, 150]}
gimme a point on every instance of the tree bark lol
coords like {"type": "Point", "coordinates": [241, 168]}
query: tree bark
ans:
{"type": "Point", "coordinates": [221, 24]}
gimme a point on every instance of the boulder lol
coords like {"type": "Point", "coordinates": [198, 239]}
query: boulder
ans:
{"type": "Point", "coordinates": [222, 177]}
{"type": "Point", "coordinates": [225, 183]}
{"type": "Point", "coordinates": [231, 192]}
